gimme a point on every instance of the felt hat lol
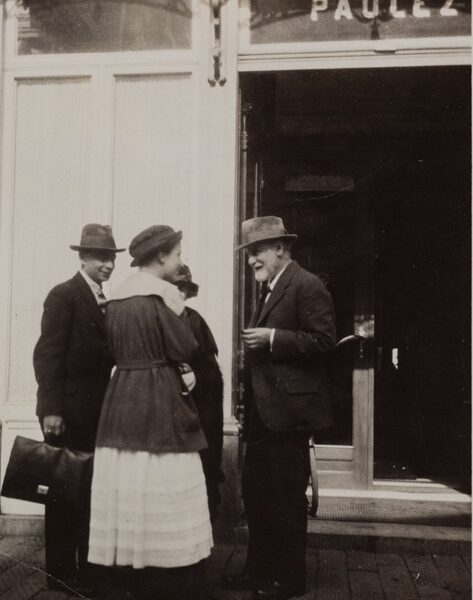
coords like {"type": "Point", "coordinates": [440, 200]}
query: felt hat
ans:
{"type": "Point", "coordinates": [262, 229]}
{"type": "Point", "coordinates": [150, 240]}
{"type": "Point", "coordinates": [97, 237]}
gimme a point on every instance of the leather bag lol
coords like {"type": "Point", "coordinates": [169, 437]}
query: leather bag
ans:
{"type": "Point", "coordinates": [39, 472]}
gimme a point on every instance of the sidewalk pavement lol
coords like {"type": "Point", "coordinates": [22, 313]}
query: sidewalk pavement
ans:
{"type": "Point", "coordinates": [332, 574]}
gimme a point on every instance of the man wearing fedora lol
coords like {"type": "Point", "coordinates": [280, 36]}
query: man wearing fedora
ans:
{"type": "Point", "coordinates": [72, 367]}
{"type": "Point", "coordinates": [289, 335]}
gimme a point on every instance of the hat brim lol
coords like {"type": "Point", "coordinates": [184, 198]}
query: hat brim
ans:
{"type": "Point", "coordinates": [99, 248]}
{"type": "Point", "coordinates": [287, 236]}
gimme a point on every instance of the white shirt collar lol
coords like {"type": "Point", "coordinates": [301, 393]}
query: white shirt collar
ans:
{"type": "Point", "coordinates": [146, 284]}
{"type": "Point", "coordinates": [275, 279]}
{"type": "Point", "coordinates": [94, 286]}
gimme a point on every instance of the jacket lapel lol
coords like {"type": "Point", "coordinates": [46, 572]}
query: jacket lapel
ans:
{"type": "Point", "coordinates": [87, 296]}
{"type": "Point", "coordinates": [259, 307]}
{"type": "Point", "coordinates": [279, 291]}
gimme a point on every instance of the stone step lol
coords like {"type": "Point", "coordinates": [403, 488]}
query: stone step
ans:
{"type": "Point", "coordinates": [24, 525]}
{"type": "Point", "coordinates": [324, 534]}
{"type": "Point", "coordinates": [382, 538]}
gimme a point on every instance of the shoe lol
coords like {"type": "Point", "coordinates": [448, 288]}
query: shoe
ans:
{"type": "Point", "coordinates": [117, 594]}
{"type": "Point", "coordinates": [56, 586]}
{"type": "Point", "coordinates": [71, 586]}
{"type": "Point", "coordinates": [239, 582]}
{"type": "Point", "coordinates": [81, 588]}
{"type": "Point", "coordinates": [278, 591]}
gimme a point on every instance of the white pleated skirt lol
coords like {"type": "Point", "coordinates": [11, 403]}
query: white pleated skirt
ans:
{"type": "Point", "coordinates": [148, 510]}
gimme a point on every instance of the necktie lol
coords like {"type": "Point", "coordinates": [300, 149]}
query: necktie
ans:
{"type": "Point", "coordinates": [261, 301]}
{"type": "Point", "coordinates": [102, 301]}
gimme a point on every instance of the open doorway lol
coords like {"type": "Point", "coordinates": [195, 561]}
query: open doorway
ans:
{"type": "Point", "coordinates": [371, 168]}
{"type": "Point", "coordinates": [422, 291]}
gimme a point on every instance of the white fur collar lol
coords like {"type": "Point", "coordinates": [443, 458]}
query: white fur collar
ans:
{"type": "Point", "coordinates": [144, 284]}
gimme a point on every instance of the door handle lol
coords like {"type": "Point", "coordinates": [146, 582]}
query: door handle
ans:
{"type": "Point", "coordinates": [355, 337]}
{"type": "Point", "coordinates": [350, 338]}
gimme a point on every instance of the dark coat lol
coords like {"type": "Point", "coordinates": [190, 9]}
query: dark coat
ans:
{"type": "Point", "coordinates": [145, 408]}
{"type": "Point", "coordinates": [208, 398]}
{"type": "Point", "coordinates": [289, 383]}
{"type": "Point", "coordinates": [72, 362]}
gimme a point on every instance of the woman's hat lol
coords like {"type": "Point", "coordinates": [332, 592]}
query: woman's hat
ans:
{"type": "Point", "coordinates": [97, 237]}
{"type": "Point", "coordinates": [184, 282]}
{"type": "Point", "coordinates": [150, 240]}
{"type": "Point", "coordinates": [261, 229]}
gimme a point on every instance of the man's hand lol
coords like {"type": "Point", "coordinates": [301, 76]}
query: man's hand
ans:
{"type": "Point", "coordinates": [53, 425]}
{"type": "Point", "coordinates": [257, 337]}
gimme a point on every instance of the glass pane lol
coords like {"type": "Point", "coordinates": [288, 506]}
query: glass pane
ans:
{"type": "Point", "coordinates": [309, 184]}
{"type": "Point", "coordinates": [51, 145]}
{"type": "Point", "coordinates": [148, 110]}
{"type": "Point", "coordinates": [62, 26]}
{"type": "Point", "coordinates": [285, 21]}
{"type": "Point", "coordinates": [326, 231]}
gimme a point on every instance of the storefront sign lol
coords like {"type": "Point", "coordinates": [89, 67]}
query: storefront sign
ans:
{"type": "Point", "coordinates": [284, 21]}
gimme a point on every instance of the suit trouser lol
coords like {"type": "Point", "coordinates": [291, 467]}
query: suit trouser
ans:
{"type": "Point", "coordinates": [66, 527]}
{"type": "Point", "coordinates": [275, 477]}
{"type": "Point", "coordinates": [66, 541]}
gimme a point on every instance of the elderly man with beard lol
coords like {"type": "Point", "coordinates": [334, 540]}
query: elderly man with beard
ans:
{"type": "Point", "coordinates": [287, 340]}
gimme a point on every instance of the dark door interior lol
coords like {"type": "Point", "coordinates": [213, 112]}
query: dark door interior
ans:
{"type": "Point", "coordinates": [422, 215]}
{"type": "Point", "coordinates": [371, 168]}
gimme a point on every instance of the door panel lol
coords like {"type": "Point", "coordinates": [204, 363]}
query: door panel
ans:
{"type": "Point", "coordinates": [423, 310]}
{"type": "Point", "coordinates": [308, 178]}
{"type": "Point", "coordinates": [50, 171]}
{"type": "Point", "coordinates": [153, 134]}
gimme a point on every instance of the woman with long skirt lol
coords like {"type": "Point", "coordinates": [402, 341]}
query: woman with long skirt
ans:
{"type": "Point", "coordinates": [149, 511]}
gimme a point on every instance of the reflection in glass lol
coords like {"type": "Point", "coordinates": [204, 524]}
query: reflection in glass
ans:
{"type": "Point", "coordinates": [64, 26]}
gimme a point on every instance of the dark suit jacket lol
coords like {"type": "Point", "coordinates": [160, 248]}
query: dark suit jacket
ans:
{"type": "Point", "coordinates": [289, 383]}
{"type": "Point", "coordinates": [71, 361]}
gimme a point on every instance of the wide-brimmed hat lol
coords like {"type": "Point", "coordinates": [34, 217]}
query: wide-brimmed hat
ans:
{"type": "Point", "coordinates": [261, 229]}
{"type": "Point", "coordinates": [151, 239]}
{"type": "Point", "coordinates": [97, 237]}
{"type": "Point", "coordinates": [184, 282]}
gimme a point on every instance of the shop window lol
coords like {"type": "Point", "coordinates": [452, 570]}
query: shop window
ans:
{"type": "Point", "coordinates": [290, 21]}
{"type": "Point", "coordinates": [65, 26]}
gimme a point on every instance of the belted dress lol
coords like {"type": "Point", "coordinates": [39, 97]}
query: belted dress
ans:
{"type": "Point", "coordinates": [149, 502]}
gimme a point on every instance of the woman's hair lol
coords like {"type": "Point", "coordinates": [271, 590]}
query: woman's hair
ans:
{"type": "Point", "coordinates": [189, 288]}
{"type": "Point", "coordinates": [165, 249]}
